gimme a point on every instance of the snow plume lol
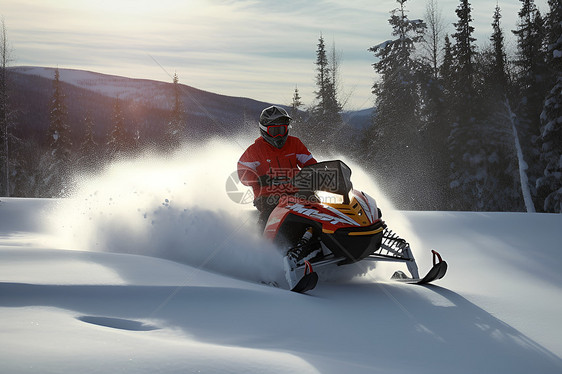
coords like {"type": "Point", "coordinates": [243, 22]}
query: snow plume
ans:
{"type": "Point", "coordinates": [173, 207]}
{"type": "Point", "coordinates": [177, 207]}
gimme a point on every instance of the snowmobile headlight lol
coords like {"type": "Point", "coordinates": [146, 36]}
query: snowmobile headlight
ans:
{"type": "Point", "coordinates": [329, 198]}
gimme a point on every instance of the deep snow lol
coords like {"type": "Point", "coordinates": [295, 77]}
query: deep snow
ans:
{"type": "Point", "coordinates": [132, 274]}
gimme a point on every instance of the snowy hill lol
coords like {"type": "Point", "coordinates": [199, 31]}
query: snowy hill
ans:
{"type": "Point", "coordinates": [150, 267]}
{"type": "Point", "coordinates": [143, 91]}
{"type": "Point", "coordinates": [202, 107]}
{"type": "Point", "coordinates": [146, 104]}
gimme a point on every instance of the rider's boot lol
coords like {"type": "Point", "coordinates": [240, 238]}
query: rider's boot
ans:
{"type": "Point", "coordinates": [305, 248]}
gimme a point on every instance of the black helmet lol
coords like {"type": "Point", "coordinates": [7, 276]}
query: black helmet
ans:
{"type": "Point", "coordinates": [274, 125]}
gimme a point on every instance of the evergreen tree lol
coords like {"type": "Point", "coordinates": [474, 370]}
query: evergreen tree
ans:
{"type": "Point", "coordinates": [514, 189]}
{"type": "Point", "coordinates": [397, 91]}
{"type": "Point", "coordinates": [60, 143]}
{"type": "Point", "coordinates": [553, 26]}
{"type": "Point", "coordinates": [447, 71]}
{"type": "Point", "coordinates": [394, 141]}
{"type": "Point", "coordinates": [55, 165]}
{"type": "Point", "coordinates": [325, 120]}
{"type": "Point", "coordinates": [434, 109]}
{"type": "Point", "coordinates": [340, 99]}
{"type": "Point", "coordinates": [472, 155]}
{"type": "Point", "coordinates": [176, 130]}
{"type": "Point", "coordinates": [89, 148]}
{"type": "Point", "coordinates": [119, 140]}
{"type": "Point", "coordinates": [296, 104]}
{"type": "Point", "coordinates": [491, 82]}
{"type": "Point", "coordinates": [484, 162]}
{"type": "Point", "coordinates": [300, 124]}
{"type": "Point", "coordinates": [531, 59]}
{"type": "Point", "coordinates": [464, 54]}
{"type": "Point", "coordinates": [532, 84]}
{"type": "Point", "coordinates": [550, 183]}
{"type": "Point", "coordinates": [447, 68]}
{"type": "Point", "coordinates": [27, 176]}
{"type": "Point", "coordinates": [498, 76]}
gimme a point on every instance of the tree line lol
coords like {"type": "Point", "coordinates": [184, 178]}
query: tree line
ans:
{"type": "Point", "coordinates": [456, 126]}
{"type": "Point", "coordinates": [39, 163]}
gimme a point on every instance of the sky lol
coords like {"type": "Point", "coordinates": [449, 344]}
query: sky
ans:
{"type": "Point", "coordinates": [257, 49]}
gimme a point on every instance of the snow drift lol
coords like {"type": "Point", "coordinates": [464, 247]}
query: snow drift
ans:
{"type": "Point", "coordinates": [179, 208]}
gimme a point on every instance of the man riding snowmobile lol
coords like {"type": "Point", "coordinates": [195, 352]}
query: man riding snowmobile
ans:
{"type": "Point", "coordinates": [273, 160]}
{"type": "Point", "coordinates": [314, 213]}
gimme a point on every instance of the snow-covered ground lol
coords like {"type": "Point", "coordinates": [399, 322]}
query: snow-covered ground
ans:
{"type": "Point", "coordinates": [150, 267]}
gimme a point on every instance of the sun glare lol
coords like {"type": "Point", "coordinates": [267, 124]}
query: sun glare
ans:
{"type": "Point", "coordinates": [126, 17]}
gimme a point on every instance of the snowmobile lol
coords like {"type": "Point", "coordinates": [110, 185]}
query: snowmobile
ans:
{"type": "Point", "coordinates": [344, 225]}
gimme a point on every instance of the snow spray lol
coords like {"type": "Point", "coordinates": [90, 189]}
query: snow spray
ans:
{"type": "Point", "coordinates": [187, 207]}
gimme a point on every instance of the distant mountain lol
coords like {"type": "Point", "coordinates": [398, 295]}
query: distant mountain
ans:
{"type": "Point", "coordinates": [359, 119]}
{"type": "Point", "coordinates": [146, 105]}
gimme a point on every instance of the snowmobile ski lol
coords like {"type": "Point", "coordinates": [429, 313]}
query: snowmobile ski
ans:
{"type": "Point", "coordinates": [307, 283]}
{"type": "Point", "coordinates": [437, 272]}
{"type": "Point", "coordinates": [308, 280]}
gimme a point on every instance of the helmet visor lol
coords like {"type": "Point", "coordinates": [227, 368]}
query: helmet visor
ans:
{"type": "Point", "coordinates": [277, 130]}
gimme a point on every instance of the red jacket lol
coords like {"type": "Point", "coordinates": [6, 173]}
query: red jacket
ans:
{"type": "Point", "coordinates": [261, 158]}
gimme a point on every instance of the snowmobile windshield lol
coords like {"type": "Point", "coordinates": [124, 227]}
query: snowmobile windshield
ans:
{"type": "Point", "coordinates": [329, 176]}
